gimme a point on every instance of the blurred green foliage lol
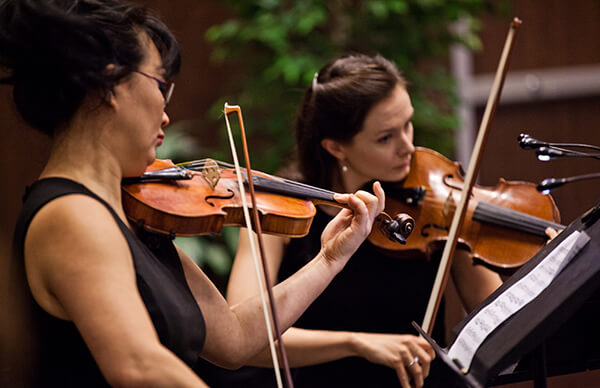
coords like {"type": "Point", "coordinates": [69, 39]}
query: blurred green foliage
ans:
{"type": "Point", "coordinates": [278, 45]}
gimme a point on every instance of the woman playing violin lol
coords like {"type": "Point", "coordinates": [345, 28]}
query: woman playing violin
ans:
{"type": "Point", "coordinates": [111, 304]}
{"type": "Point", "coordinates": [355, 126]}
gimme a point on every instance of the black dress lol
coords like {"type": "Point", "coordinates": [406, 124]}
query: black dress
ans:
{"type": "Point", "coordinates": [373, 293]}
{"type": "Point", "coordinates": [63, 358]}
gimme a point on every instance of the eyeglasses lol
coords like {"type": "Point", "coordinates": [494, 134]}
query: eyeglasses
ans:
{"type": "Point", "coordinates": [166, 88]}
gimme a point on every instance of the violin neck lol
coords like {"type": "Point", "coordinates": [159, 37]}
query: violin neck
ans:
{"type": "Point", "coordinates": [509, 218]}
{"type": "Point", "coordinates": [293, 189]}
{"type": "Point", "coordinates": [170, 173]}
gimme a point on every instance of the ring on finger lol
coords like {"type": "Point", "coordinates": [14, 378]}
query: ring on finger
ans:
{"type": "Point", "coordinates": [413, 362]}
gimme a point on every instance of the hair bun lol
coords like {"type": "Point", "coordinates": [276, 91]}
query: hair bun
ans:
{"type": "Point", "coordinates": [56, 51]}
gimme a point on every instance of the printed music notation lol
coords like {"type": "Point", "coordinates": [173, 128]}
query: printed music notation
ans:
{"type": "Point", "coordinates": [514, 298]}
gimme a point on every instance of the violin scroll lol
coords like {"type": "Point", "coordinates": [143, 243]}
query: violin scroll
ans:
{"type": "Point", "coordinates": [396, 229]}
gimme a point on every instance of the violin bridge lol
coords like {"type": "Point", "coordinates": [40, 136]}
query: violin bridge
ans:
{"type": "Point", "coordinates": [211, 173]}
{"type": "Point", "coordinates": [449, 206]}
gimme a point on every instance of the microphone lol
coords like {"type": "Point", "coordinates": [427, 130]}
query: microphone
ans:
{"type": "Point", "coordinates": [544, 154]}
{"type": "Point", "coordinates": [548, 184]}
{"type": "Point", "coordinates": [550, 152]}
{"type": "Point", "coordinates": [528, 143]}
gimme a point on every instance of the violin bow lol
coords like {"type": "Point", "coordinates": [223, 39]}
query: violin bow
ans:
{"type": "Point", "coordinates": [445, 264]}
{"type": "Point", "coordinates": [263, 279]}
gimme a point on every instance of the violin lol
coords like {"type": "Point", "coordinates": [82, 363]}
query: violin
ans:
{"type": "Point", "coordinates": [504, 225]}
{"type": "Point", "coordinates": [201, 197]}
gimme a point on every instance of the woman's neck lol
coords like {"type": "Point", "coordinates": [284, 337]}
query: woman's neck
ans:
{"type": "Point", "coordinates": [347, 182]}
{"type": "Point", "coordinates": [343, 182]}
{"type": "Point", "coordinates": [78, 154]}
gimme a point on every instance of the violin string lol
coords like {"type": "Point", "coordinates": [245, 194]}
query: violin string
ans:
{"type": "Point", "coordinates": [501, 216]}
{"type": "Point", "coordinates": [516, 217]}
{"type": "Point", "coordinates": [308, 189]}
{"type": "Point", "coordinates": [511, 218]}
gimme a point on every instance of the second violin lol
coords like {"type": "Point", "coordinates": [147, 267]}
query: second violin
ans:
{"type": "Point", "coordinates": [504, 226]}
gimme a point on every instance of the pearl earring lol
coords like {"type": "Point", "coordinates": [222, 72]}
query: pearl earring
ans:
{"type": "Point", "coordinates": [344, 168]}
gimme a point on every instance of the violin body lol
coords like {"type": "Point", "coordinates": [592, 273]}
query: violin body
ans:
{"type": "Point", "coordinates": [503, 227]}
{"type": "Point", "coordinates": [191, 207]}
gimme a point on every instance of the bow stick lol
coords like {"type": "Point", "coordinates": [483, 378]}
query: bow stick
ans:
{"type": "Point", "coordinates": [457, 221]}
{"type": "Point", "coordinates": [265, 273]}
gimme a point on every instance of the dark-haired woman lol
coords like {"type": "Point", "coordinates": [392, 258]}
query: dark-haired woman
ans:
{"type": "Point", "coordinates": [355, 126]}
{"type": "Point", "coordinates": [109, 304]}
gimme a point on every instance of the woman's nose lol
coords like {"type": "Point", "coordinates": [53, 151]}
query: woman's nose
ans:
{"type": "Point", "coordinates": [165, 119]}
{"type": "Point", "coordinates": [405, 145]}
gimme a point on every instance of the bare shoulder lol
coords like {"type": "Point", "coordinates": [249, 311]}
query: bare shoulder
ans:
{"type": "Point", "coordinates": [73, 240]}
{"type": "Point", "coordinates": [79, 268]}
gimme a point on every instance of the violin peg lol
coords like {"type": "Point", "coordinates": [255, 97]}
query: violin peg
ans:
{"type": "Point", "coordinates": [399, 228]}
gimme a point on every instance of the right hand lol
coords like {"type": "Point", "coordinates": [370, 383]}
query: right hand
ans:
{"type": "Point", "coordinates": [344, 234]}
{"type": "Point", "coordinates": [397, 352]}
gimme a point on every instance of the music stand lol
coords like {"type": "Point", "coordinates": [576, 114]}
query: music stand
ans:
{"type": "Point", "coordinates": [527, 329]}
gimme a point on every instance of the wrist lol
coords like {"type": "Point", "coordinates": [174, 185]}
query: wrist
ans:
{"type": "Point", "coordinates": [329, 262]}
{"type": "Point", "coordinates": [354, 344]}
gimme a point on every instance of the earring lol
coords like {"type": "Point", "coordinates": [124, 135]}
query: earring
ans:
{"type": "Point", "coordinates": [344, 168]}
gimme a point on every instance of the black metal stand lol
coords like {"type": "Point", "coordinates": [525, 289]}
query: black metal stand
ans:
{"type": "Point", "coordinates": [540, 370]}
{"type": "Point", "coordinates": [523, 335]}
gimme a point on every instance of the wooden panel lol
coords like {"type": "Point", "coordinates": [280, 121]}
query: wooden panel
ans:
{"type": "Point", "coordinates": [554, 33]}
{"type": "Point", "coordinates": [558, 121]}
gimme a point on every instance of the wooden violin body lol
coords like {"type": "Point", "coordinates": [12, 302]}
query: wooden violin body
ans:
{"type": "Point", "coordinates": [503, 227]}
{"type": "Point", "coordinates": [191, 207]}
{"type": "Point", "coordinates": [182, 201]}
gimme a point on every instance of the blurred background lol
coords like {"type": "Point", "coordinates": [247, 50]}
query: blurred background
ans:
{"type": "Point", "coordinates": [263, 54]}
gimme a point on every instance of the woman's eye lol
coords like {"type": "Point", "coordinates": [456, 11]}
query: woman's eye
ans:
{"type": "Point", "coordinates": [384, 139]}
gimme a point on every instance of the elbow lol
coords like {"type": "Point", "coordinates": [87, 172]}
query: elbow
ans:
{"type": "Point", "coordinates": [232, 362]}
{"type": "Point", "coordinates": [136, 373]}
{"type": "Point", "coordinates": [126, 378]}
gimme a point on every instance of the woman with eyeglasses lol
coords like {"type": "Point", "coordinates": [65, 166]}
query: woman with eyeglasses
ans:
{"type": "Point", "coordinates": [110, 304]}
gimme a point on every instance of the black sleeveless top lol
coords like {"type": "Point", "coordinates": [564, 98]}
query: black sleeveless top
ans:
{"type": "Point", "coordinates": [373, 293]}
{"type": "Point", "coordinates": [63, 358]}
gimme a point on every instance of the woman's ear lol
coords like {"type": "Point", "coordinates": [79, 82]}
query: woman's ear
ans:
{"type": "Point", "coordinates": [335, 148]}
{"type": "Point", "coordinates": [110, 98]}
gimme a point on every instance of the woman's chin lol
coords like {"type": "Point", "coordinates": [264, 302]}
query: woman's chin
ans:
{"type": "Point", "coordinates": [397, 175]}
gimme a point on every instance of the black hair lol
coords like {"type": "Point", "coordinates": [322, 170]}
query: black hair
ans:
{"type": "Point", "coordinates": [54, 52]}
{"type": "Point", "coordinates": [335, 107]}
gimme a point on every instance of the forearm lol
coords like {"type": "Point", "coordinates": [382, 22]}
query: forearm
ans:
{"type": "Point", "coordinates": [292, 297]}
{"type": "Point", "coordinates": [310, 347]}
{"type": "Point", "coordinates": [473, 282]}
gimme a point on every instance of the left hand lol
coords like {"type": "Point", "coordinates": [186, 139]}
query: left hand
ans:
{"type": "Point", "coordinates": [350, 227]}
{"type": "Point", "coordinates": [551, 233]}
{"type": "Point", "coordinates": [409, 355]}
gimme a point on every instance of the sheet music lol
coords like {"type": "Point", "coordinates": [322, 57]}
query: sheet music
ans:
{"type": "Point", "coordinates": [514, 298]}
